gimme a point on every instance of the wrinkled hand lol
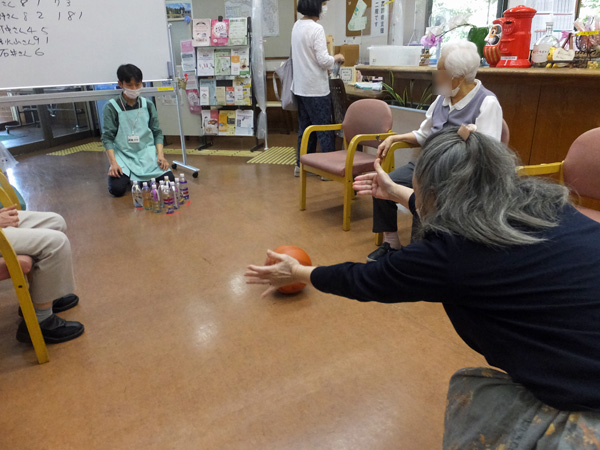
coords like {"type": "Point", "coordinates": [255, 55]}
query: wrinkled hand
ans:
{"type": "Point", "coordinates": [281, 273]}
{"type": "Point", "coordinates": [377, 184]}
{"type": "Point", "coordinates": [163, 163]}
{"type": "Point", "coordinates": [115, 171]}
{"type": "Point", "coordinates": [384, 147]}
{"type": "Point", "coordinates": [9, 217]}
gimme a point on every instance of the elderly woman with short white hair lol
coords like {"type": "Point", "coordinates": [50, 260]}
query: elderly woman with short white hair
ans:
{"type": "Point", "coordinates": [461, 99]}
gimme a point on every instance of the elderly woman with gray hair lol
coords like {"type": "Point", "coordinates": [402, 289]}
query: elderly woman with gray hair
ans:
{"type": "Point", "coordinates": [461, 99]}
{"type": "Point", "coordinates": [517, 269]}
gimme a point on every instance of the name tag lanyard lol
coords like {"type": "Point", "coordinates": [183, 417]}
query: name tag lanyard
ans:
{"type": "Point", "coordinates": [133, 124]}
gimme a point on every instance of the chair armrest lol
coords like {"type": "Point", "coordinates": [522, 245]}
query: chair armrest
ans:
{"type": "Point", "coordinates": [388, 163]}
{"type": "Point", "coordinates": [356, 140]}
{"type": "Point", "coordinates": [5, 199]}
{"type": "Point", "coordinates": [312, 129]}
{"type": "Point", "coordinates": [5, 184]}
{"type": "Point", "coordinates": [540, 169]}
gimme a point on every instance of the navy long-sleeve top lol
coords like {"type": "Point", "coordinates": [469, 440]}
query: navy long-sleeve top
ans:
{"type": "Point", "coordinates": [532, 310]}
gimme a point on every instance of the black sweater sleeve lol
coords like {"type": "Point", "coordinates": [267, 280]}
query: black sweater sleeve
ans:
{"type": "Point", "coordinates": [418, 272]}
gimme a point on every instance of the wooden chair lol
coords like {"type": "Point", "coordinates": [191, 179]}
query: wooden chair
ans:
{"type": "Point", "coordinates": [579, 171]}
{"type": "Point", "coordinates": [10, 191]}
{"type": "Point", "coordinates": [16, 268]}
{"type": "Point", "coordinates": [367, 122]}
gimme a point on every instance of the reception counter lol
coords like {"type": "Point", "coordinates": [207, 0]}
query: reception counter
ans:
{"type": "Point", "coordinates": [545, 109]}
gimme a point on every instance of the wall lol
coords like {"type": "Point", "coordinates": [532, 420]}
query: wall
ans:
{"type": "Point", "coordinates": [334, 22]}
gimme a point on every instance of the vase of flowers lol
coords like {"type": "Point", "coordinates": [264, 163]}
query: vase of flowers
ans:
{"type": "Point", "coordinates": [435, 35]}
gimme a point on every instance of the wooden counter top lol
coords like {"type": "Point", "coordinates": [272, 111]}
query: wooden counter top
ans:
{"type": "Point", "coordinates": [543, 73]}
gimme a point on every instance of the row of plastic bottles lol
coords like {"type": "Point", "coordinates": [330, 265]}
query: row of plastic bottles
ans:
{"type": "Point", "coordinates": [166, 196]}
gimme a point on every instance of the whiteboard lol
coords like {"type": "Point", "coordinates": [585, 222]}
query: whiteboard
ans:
{"type": "Point", "coordinates": [78, 42]}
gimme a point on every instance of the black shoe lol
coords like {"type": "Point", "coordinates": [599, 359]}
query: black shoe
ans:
{"type": "Point", "coordinates": [54, 329]}
{"type": "Point", "coordinates": [380, 252]}
{"type": "Point", "coordinates": [61, 304]}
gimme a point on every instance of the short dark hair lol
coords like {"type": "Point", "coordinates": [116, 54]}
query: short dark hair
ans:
{"type": "Point", "coordinates": [311, 8]}
{"type": "Point", "coordinates": [127, 72]}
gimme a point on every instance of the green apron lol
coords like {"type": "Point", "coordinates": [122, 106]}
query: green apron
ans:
{"type": "Point", "coordinates": [134, 148]}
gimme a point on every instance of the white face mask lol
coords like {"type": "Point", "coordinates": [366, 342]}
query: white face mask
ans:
{"type": "Point", "coordinates": [446, 90]}
{"type": "Point", "coordinates": [133, 94]}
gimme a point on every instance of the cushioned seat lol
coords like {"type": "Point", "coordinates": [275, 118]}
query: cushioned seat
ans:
{"type": "Point", "coordinates": [335, 162]}
{"type": "Point", "coordinates": [25, 262]}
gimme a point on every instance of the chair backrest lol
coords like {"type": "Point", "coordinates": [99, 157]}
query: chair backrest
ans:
{"type": "Point", "coordinates": [339, 100]}
{"type": "Point", "coordinates": [581, 169]}
{"type": "Point", "coordinates": [368, 116]}
{"type": "Point", "coordinates": [505, 138]}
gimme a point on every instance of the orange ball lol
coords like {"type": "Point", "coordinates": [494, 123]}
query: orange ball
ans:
{"type": "Point", "coordinates": [301, 256]}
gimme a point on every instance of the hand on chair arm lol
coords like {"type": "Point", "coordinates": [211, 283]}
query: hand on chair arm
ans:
{"type": "Point", "coordinates": [385, 146]}
{"type": "Point", "coordinates": [9, 217]}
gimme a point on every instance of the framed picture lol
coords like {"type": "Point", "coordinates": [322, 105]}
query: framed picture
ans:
{"type": "Point", "coordinates": [178, 10]}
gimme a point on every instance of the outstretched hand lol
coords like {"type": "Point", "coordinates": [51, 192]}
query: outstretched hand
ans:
{"type": "Point", "coordinates": [282, 273]}
{"type": "Point", "coordinates": [377, 184]}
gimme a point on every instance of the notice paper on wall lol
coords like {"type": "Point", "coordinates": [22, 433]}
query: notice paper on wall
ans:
{"type": "Point", "coordinates": [193, 93]}
{"type": "Point", "coordinates": [244, 122]}
{"type": "Point", "coordinates": [238, 31]}
{"type": "Point", "coordinates": [210, 122]}
{"type": "Point", "coordinates": [238, 8]}
{"type": "Point", "coordinates": [206, 61]}
{"type": "Point", "coordinates": [379, 17]}
{"type": "Point", "coordinates": [201, 32]}
{"type": "Point", "coordinates": [188, 56]}
{"type": "Point", "coordinates": [220, 32]}
{"type": "Point", "coordinates": [358, 22]}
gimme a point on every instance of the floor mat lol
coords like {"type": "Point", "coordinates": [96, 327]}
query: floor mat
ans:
{"type": "Point", "coordinates": [276, 155]}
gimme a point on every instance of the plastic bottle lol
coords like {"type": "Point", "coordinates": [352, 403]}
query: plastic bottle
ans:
{"type": "Point", "coordinates": [161, 193]}
{"type": "Point", "coordinates": [180, 198]}
{"type": "Point", "coordinates": [155, 199]}
{"type": "Point", "coordinates": [175, 195]}
{"type": "Point", "coordinates": [539, 55]}
{"type": "Point", "coordinates": [136, 194]}
{"type": "Point", "coordinates": [147, 196]}
{"type": "Point", "coordinates": [183, 186]}
{"type": "Point", "coordinates": [168, 198]}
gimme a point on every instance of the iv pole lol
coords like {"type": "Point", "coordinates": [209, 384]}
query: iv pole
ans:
{"type": "Point", "coordinates": [173, 78]}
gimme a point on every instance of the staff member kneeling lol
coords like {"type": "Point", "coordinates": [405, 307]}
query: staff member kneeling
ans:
{"type": "Point", "coordinates": [132, 136]}
{"type": "Point", "coordinates": [517, 269]}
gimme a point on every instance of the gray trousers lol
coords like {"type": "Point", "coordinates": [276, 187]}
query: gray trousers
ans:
{"type": "Point", "coordinates": [41, 235]}
{"type": "Point", "coordinates": [487, 410]}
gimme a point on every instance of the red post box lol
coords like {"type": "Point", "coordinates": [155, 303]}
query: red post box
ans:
{"type": "Point", "coordinates": [516, 37]}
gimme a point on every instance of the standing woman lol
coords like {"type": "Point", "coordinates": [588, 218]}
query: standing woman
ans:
{"type": "Point", "coordinates": [311, 62]}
